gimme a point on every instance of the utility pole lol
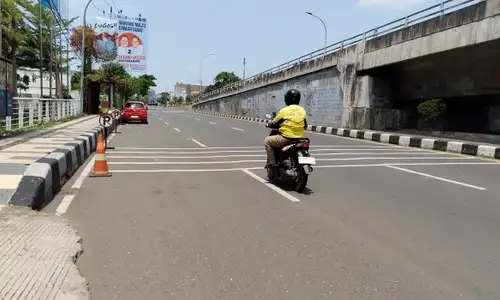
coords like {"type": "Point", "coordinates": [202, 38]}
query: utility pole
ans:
{"type": "Point", "coordinates": [244, 66]}
{"type": "Point", "coordinates": [50, 59]}
{"type": "Point", "coordinates": [41, 47]}
{"type": "Point", "coordinates": [0, 29]}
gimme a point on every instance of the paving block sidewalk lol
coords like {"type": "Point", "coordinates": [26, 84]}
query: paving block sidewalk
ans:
{"type": "Point", "coordinates": [32, 171]}
{"type": "Point", "coordinates": [37, 257]}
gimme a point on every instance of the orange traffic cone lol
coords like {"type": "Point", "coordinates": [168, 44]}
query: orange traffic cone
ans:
{"type": "Point", "coordinates": [100, 164]}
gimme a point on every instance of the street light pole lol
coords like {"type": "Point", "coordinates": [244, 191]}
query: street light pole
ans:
{"type": "Point", "coordinates": [82, 90]}
{"type": "Point", "coordinates": [324, 26]}
{"type": "Point", "coordinates": [201, 70]}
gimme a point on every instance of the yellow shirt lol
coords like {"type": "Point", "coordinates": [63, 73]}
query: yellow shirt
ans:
{"type": "Point", "coordinates": [292, 120]}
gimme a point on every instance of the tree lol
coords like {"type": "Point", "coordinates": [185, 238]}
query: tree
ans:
{"type": "Point", "coordinates": [145, 82]}
{"type": "Point", "coordinates": [221, 80]}
{"type": "Point", "coordinates": [75, 81]}
{"type": "Point", "coordinates": [163, 98]}
{"type": "Point", "coordinates": [23, 82]}
{"type": "Point", "coordinates": [225, 78]}
{"type": "Point", "coordinates": [14, 32]}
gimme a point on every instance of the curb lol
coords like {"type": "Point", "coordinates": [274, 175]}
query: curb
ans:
{"type": "Point", "coordinates": [44, 178]}
{"type": "Point", "coordinates": [472, 149]}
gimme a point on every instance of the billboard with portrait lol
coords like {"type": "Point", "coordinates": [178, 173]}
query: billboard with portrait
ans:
{"type": "Point", "coordinates": [105, 37]}
{"type": "Point", "coordinates": [132, 43]}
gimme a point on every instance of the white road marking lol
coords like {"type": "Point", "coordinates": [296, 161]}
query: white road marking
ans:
{"type": "Point", "coordinates": [196, 119]}
{"type": "Point", "coordinates": [330, 147]}
{"type": "Point", "coordinates": [427, 157]}
{"type": "Point", "coordinates": [198, 143]}
{"type": "Point", "coordinates": [66, 201]}
{"type": "Point", "coordinates": [213, 123]}
{"type": "Point", "coordinates": [177, 130]}
{"type": "Point", "coordinates": [64, 205]}
{"type": "Point", "coordinates": [437, 177]}
{"type": "Point", "coordinates": [160, 119]}
{"type": "Point", "coordinates": [262, 160]}
{"type": "Point", "coordinates": [270, 185]}
{"type": "Point", "coordinates": [233, 155]}
{"type": "Point", "coordinates": [237, 129]}
{"type": "Point", "coordinates": [315, 167]}
{"type": "Point", "coordinates": [79, 181]}
{"type": "Point", "coordinates": [166, 123]}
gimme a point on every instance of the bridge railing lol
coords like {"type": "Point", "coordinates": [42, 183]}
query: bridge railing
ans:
{"type": "Point", "coordinates": [32, 112]}
{"type": "Point", "coordinates": [430, 12]}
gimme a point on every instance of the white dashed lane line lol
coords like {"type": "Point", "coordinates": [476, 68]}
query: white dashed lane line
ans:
{"type": "Point", "coordinates": [198, 143]}
{"type": "Point", "coordinates": [176, 129]}
{"type": "Point", "coordinates": [213, 123]}
{"type": "Point", "coordinates": [237, 129]}
{"type": "Point", "coordinates": [166, 123]}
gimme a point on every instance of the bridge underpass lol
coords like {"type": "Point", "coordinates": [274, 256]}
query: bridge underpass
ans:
{"type": "Point", "coordinates": [466, 79]}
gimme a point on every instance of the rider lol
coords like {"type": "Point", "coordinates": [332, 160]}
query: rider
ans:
{"type": "Point", "coordinates": [292, 122]}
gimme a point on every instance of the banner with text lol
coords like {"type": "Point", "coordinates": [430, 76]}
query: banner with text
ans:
{"type": "Point", "coordinates": [105, 38]}
{"type": "Point", "coordinates": [132, 43]}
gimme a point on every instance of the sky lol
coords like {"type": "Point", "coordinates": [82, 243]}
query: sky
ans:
{"type": "Point", "coordinates": [265, 32]}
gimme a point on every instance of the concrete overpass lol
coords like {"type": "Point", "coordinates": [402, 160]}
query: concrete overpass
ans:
{"type": "Point", "coordinates": [449, 50]}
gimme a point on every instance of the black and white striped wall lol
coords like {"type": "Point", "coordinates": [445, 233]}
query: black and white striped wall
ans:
{"type": "Point", "coordinates": [474, 149]}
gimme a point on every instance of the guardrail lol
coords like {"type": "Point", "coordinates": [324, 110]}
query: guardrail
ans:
{"type": "Point", "coordinates": [414, 18]}
{"type": "Point", "coordinates": [32, 112]}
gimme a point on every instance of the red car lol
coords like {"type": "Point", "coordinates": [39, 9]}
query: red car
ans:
{"type": "Point", "coordinates": [135, 111]}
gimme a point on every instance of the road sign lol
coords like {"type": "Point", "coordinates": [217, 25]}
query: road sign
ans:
{"type": "Point", "coordinates": [105, 120]}
{"type": "Point", "coordinates": [116, 114]}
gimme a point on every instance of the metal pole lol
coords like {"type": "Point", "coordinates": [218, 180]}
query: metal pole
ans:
{"type": "Point", "coordinates": [201, 70]}
{"type": "Point", "coordinates": [60, 64]}
{"type": "Point", "coordinates": [82, 90]}
{"type": "Point", "coordinates": [244, 65]}
{"type": "Point", "coordinates": [324, 26]}
{"type": "Point", "coordinates": [50, 58]}
{"type": "Point", "coordinates": [1, 29]}
{"type": "Point", "coordinates": [41, 48]}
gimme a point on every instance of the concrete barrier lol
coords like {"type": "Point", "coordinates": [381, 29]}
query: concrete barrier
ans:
{"type": "Point", "coordinates": [43, 179]}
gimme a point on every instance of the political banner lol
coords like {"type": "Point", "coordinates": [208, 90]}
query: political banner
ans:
{"type": "Point", "coordinates": [132, 43]}
{"type": "Point", "coordinates": [105, 38]}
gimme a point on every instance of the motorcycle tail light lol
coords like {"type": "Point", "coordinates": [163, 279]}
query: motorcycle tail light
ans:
{"type": "Point", "coordinates": [305, 145]}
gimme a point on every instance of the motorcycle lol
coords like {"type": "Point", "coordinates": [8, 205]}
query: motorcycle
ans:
{"type": "Point", "coordinates": [293, 161]}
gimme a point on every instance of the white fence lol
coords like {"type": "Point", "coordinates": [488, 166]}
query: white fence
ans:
{"type": "Point", "coordinates": [30, 112]}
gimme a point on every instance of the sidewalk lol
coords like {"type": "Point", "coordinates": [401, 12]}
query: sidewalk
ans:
{"type": "Point", "coordinates": [37, 255]}
{"type": "Point", "coordinates": [33, 169]}
{"type": "Point", "coordinates": [22, 137]}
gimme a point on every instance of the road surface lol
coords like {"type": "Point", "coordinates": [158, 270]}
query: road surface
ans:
{"type": "Point", "coordinates": [187, 214]}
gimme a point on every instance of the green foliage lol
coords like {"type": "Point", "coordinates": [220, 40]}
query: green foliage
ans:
{"type": "Point", "coordinates": [163, 98]}
{"type": "Point", "coordinates": [222, 79]}
{"type": "Point", "coordinates": [145, 82]}
{"type": "Point", "coordinates": [431, 109]}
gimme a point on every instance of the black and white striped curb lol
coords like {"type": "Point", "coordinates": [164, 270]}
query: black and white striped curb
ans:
{"type": "Point", "coordinates": [473, 149]}
{"type": "Point", "coordinates": [44, 178]}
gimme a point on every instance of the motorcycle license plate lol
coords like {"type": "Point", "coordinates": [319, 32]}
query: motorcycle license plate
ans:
{"type": "Point", "coordinates": [307, 160]}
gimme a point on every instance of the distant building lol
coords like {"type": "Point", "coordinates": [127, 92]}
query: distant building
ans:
{"type": "Point", "coordinates": [184, 90]}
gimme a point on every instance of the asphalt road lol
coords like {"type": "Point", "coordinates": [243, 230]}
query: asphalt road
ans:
{"type": "Point", "coordinates": [187, 215]}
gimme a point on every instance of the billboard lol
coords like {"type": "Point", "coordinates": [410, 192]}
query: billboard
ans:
{"type": "Point", "coordinates": [132, 43]}
{"type": "Point", "coordinates": [105, 38]}
{"type": "Point", "coordinates": [51, 4]}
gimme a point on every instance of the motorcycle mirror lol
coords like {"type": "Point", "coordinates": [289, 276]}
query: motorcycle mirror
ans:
{"type": "Point", "coordinates": [269, 116]}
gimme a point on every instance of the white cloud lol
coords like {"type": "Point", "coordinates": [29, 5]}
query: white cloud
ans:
{"type": "Point", "coordinates": [393, 4]}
